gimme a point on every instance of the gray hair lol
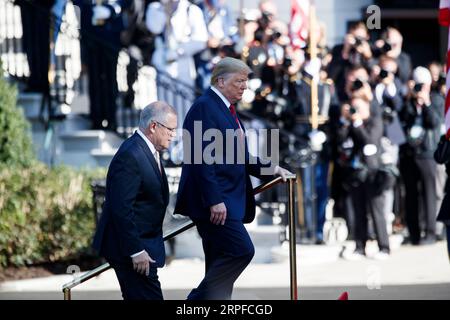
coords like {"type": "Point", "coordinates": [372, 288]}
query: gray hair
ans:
{"type": "Point", "coordinates": [155, 111]}
{"type": "Point", "coordinates": [228, 66]}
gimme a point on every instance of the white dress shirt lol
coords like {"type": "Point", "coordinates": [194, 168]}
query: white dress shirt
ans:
{"type": "Point", "coordinates": [221, 96]}
{"type": "Point", "coordinates": [225, 100]}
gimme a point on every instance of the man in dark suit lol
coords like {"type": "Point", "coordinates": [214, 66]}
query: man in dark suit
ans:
{"type": "Point", "coordinates": [216, 193]}
{"type": "Point", "coordinates": [101, 23]}
{"type": "Point", "coordinates": [129, 233]}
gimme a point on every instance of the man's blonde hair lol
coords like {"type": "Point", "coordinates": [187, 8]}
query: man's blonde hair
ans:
{"type": "Point", "coordinates": [227, 66]}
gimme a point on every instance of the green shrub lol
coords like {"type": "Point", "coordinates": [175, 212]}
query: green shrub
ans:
{"type": "Point", "coordinates": [45, 213]}
{"type": "Point", "coordinates": [15, 141]}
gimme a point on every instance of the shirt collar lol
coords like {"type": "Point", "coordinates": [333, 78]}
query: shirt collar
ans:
{"type": "Point", "coordinates": [147, 141]}
{"type": "Point", "coordinates": [221, 96]}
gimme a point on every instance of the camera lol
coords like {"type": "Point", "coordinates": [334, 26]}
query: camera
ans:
{"type": "Point", "coordinates": [379, 51]}
{"type": "Point", "coordinates": [384, 74]}
{"type": "Point", "coordinates": [359, 41]}
{"type": "Point", "coordinates": [386, 47]}
{"type": "Point", "coordinates": [275, 35]}
{"type": "Point", "coordinates": [287, 62]}
{"type": "Point", "coordinates": [265, 19]}
{"type": "Point", "coordinates": [388, 114]}
{"type": "Point", "coordinates": [418, 87]}
{"type": "Point", "coordinates": [356, 85]}
{"type": "Point", "coordinates": [353, 110]}
{"type": "Point", "coordinates": [442, 79]}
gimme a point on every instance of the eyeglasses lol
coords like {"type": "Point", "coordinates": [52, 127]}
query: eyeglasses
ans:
{"type": "Point", "coordinates": [171, 130]}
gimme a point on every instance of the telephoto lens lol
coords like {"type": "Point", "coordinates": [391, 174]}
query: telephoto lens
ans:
{"type": "Point", "coordinates": [357, 84]}
{"type": "Point", "coordinates": [418, 87]}
{"type": "Point", "coordinates": [384, 74]}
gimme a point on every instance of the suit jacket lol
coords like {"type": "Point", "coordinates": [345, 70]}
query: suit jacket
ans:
{"type": "Point", "coordinates": [137, 195]}
{"type": "Point", "coordinates": [204, 185]}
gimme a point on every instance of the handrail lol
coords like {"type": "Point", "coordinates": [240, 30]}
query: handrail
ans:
{"type": "Point", "coordinates": [189, 224]}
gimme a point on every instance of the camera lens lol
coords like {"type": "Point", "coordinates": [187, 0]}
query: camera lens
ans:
{"type": "Point", "coordinates": [383, 74]}
{"type": "Point", "coordinates": [352, 110]}
{"type": "Point", "coordinates": [358, 41]}
{"type": "Point", "coordinates": [386, 47]}
{"type": "Point", "coordinates": [357, 84]}
{"type": "Point", "coordinates": [418, 87]}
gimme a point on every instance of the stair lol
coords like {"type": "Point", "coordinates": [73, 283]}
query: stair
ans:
{"type": "Point", "coordinates": [89, 148]}
{"type": "Point", "coordinates": [103, 157]}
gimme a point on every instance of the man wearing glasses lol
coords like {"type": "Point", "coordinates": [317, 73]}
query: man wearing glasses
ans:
{"type": "Point", "coordinates": [129, 233]}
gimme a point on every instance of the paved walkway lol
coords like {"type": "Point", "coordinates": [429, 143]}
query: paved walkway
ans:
{"type": "Point", "coordinates": [410, 273]}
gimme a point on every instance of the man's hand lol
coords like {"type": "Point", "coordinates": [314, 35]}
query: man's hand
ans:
{"type": "Point", "coordinates": [218, 213]}
{"type": "Point", "coordinates": [423, 98]}
{"type": "Point", "coordinates": [283, 173]}
{"type": "Point", "coordinates": [365, 92]}
{"type": "Point", "coordinates": [141, 263]}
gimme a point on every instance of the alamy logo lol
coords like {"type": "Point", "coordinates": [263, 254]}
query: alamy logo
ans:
{"type": "Point", "coordinates": [374, 19]}
{"type": "Point", "coordinates": [212, 146]}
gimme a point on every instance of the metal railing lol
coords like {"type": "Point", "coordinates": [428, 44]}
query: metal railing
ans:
{"type": "Point", "coordinates": [67, 288]}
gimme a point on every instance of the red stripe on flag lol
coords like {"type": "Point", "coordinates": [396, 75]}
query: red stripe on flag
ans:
{"type": "Point", "coordinates": [447, 102]}
{"type": "Point", "coordinates": [444, 17]}
{"type": "Point", "coordinates": [448, 63]}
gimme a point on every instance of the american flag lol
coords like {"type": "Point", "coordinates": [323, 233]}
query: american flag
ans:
{"type": "Point", "coordinates": [299, 24]}
{"type": "Point", "coordinates": [444, 20]}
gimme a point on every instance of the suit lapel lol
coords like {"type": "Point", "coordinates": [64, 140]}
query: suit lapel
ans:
{"type": "Point", "coordinates": [228, 115]}
{"type": "Point", "coordinates": [149, 155]}
{"type": "Point", "coordinates": [165, 185]}
{"type": "Point", "coordinates": [223, 108]}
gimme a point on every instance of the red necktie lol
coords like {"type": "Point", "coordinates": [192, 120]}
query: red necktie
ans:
{"type": "Point", "coordinates": [234, 114]}
{"type": "Point", "coordinates": [235, 117]}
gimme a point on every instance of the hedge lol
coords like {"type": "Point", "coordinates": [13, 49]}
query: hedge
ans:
{"type": "Point", "coordinates": [45, 213]}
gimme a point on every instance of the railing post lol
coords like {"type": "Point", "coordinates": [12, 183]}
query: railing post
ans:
{"type": "Point", "coordinates": [292, 239]}
{"type": "Point", "coordinates": [189, 224]}
{"type": "Point", "coordinates": [67, 294]}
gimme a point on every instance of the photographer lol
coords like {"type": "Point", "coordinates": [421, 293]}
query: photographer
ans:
{"type": "Point", "coordinates": [421, 118]}
{"type": "Point", "coordinates": [389, 98]}
{"type": "Point", "coordinates": [302, 128]}
{"type": "Point", "coordinates": [390, 44]}
{"type": "Point", "coordinates": [359, 154]}
{"type": "Point", "coordinates": [354, 51]}
{"type": "Point", "coordinates": [357, 86]}
{"type": "Point", "coordinates": [438, 78]}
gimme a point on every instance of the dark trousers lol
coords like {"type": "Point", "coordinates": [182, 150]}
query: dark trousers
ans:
{"type": "Point", "coordinates": [103, 91]}
{"type": "Point", "coordinates": [135, 286]}
{"type": "Point", "coordinates": [366, 201]}
{"type": "Point", "coordinates": [132, 76]}
{"type": "Point", "coordinates": [36, 42]}
{"type": "Point", "coordinates": [228, 250]}
{"type": "Point", "coordinates": [419, 176]}
{"type": "Point", "coordinates": [319, 200]}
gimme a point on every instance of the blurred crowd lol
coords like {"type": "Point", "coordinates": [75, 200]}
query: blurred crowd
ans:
{"type": "Point", "coordinates": [382, 117]}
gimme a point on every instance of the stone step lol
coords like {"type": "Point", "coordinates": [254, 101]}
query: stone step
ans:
{"type": "Point", "coordinates": [74, 122]}
{"type": "Point", "coordinates": [30, 104]}
{"type": "Point", "coordinates": [88, 140]}
{"type": "Point", "coordinates": [103, 157]}
{"type": "Point", "coordinates": [82, 140]}
{"type": "Point", "coordinates": [76, 159]}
